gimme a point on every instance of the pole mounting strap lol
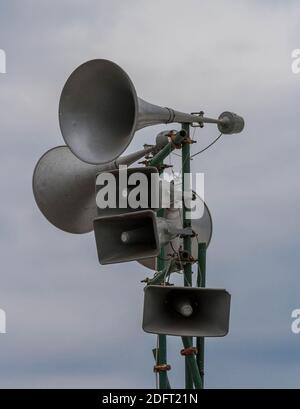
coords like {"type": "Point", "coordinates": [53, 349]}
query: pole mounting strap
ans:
{"type": "Point", "coordinates": [189, 351]}
{"type": "Point", "coordinates": [161, 368]}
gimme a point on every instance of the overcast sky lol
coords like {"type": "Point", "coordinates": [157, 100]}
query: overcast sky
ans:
{"type": "Point", "coordinates": [74, 323]}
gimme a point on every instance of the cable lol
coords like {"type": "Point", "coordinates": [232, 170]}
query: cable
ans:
{"type": "Point", "coordinates": [208, 146]}
{"type": "Point", "coordinates": [181, 265]}
{"type": "Point", "coordinates": [200, 275]}
{"type": "Point", "coordinates": [194, 130]}
{"type": "Point", "coordinates": [176, 154]}
{"type": "Point", "coordinates": [199, 269]}
{"type": "Point", "coordinates": [171, 244]}
{"type": "Point", "coordinates": [168, 272]}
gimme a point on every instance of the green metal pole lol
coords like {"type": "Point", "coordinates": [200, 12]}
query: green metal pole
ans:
{"type": "Point", "coordinates": [161, 155]}
{"type": "Point", "coordinates": [155, 351]}
{"type": "Point", "coordinates": [201, 282]}
{"type": "Point", "coordinates": [162, 339]}
{"type": "Point", "coordinates": [166, 150]}
{"type": "Point", "coordinates": [192, 365]}
{"type": "Point", "coordinates": [186, 244]}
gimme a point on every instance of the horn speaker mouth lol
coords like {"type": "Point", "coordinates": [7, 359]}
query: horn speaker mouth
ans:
{"type": "Point", "coordinates": [98, 111]}
{"type": "Point", "coordinates": [64, 190]}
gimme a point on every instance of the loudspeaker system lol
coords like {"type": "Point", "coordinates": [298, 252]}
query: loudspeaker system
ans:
{"type": "Point", "coordinates": [186, 311]}
{"type": "Point", "coordinates": [126, 237]}
{"type": "Point", "coordinates": [99, 112]}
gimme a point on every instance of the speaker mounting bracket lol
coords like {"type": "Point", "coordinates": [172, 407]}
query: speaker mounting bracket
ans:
{"type": "Point", "coordinates": [198, 124]}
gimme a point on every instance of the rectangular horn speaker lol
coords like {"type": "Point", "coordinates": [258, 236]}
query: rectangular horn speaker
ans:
{"type": "Point", "coordinates": [126, 237]}
{"type": "Point", "coordinates": [186, 311]}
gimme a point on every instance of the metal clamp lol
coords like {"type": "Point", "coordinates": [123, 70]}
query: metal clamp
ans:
{"type": "Point", "coordinates": [188, 140]}
{"type": "Point", "coordinates": [185, 257]}
{"type": "Point", "coordinates": [189, 351]}
{"type": "Point", "coordinates": [161, 368]}
{"type": "Point", "coordinates": [200, 124]}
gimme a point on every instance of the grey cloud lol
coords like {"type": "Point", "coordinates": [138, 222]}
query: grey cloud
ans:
{"type": "Point", "coordinates": [74, 323]}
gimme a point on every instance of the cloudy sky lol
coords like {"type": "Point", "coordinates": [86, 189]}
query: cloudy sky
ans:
{"type": "Point", "coordinates": [74, 323]}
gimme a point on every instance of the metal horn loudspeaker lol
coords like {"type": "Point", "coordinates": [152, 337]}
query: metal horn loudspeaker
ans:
{"type": "Point", "coordinates": [126, 237]}
{"type": "Point", "coordinates": [186, 311]}
{"type": "Point", "coordinates": [64, 187]}
{"type": "Point", "coordinates": [99, 112]}
{"type": "Point", "coordinates": [132, 236]}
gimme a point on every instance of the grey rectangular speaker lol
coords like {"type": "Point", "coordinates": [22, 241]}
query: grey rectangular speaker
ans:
{"type": "Point", "coordinates": [126, 237]}
{"type": "Point", "coordinates": [186, 311]}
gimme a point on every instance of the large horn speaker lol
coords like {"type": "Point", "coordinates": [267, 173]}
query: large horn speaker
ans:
{"type": "Point", "coordinates": [186, 311]}
{"type": "Point", "coordinates": [99, 112]}
{"type": "Point", "coordinates": [64, 187]}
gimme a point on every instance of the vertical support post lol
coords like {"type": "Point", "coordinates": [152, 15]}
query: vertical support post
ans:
{"type": "Point", "coordinates": [192, 365]}
{"type": "Point", "coordinates": [186, 241]}
{"type": "Point", "coordinates": [162, 339]}
{"type": "Point", "coordinates": [154, 352]}
{"type": "Point", "coordinates": [201, 282]}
